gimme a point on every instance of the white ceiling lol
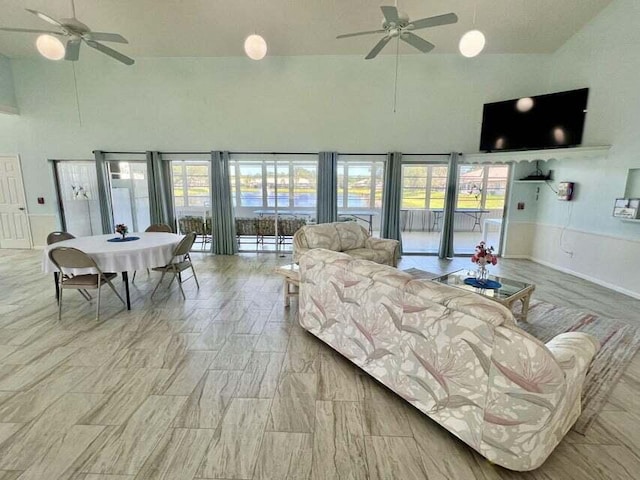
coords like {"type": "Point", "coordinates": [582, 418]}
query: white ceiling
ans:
{"type": "Point", "coordinates": [198, 28]}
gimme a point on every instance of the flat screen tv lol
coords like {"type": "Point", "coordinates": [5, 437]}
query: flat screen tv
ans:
{"type": "Point", "coordinates": [530, 123]}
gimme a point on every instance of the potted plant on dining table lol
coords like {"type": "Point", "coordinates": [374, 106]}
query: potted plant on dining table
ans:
{"type": "Point", "coordinates": [122, 229]}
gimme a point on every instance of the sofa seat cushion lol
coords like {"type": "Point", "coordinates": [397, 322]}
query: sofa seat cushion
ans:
{"type": "Point", "coordinates": [322, 236]}
{"type": "Point", "coordinates": [378, 256]}
{"type": "Point", "coordinates": [352, 236]}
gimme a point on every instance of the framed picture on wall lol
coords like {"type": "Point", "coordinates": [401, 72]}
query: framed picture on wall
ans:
{"type": "Point", "coordinates": [627, 208]}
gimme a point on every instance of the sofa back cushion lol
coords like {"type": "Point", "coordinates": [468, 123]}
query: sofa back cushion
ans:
{"type": "Point", "coordinates": [323, 235]}
{"type": "Point", "coordinates": [352, 236]}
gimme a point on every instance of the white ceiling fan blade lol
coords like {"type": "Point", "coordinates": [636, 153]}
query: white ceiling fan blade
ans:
{"type": "Point", "coordinates": [370, 32]}
{"type": "Point", "coordinates": [72, 50]}
{"type": "Point", "coordinates": [106, 37]}
{"type": "Point", "coordinates": [436, 21]}
{"type": "Point", "coordinates": [44, 16]}
{"type": "Point", "coordinates": [111, 52]}
{"type": "Point", "coordinates": [378, 48]}
{"type": "Point", "coordinates": [29, 30]}
{"type": "Point", "coordinates": [417, 42]}
{"type": "Point", "coordinates": [390, 14]}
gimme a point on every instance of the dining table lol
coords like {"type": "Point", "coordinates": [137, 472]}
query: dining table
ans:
{"type": "Point", "coordinates": [143, 250]}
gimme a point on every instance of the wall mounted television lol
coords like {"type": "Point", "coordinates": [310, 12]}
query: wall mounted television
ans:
{"type": "Point", "coordinates": [555, 120]}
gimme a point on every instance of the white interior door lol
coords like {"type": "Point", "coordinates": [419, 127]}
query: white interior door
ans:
{"type": "Point", "coordinates": [14, 224]}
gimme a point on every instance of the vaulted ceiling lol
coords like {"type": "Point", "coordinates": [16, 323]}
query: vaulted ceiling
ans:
{"type": "Point", "coordinates": [203, 28]}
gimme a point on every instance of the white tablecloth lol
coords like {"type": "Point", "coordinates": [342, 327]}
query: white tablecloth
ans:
{"type": "Point", "coordinates": [154, 249]}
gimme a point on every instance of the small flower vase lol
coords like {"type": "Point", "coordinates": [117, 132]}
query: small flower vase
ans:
{"type": "Point", "coordinates": [482, 274]}
{"type": "Point", "coordinates": [123, 235]}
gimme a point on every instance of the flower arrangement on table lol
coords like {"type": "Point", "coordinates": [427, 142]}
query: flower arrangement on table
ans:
{"type": "Point", "coordinates": [122, 229]}
{"type": "Point", "coordinates": [482, 257]}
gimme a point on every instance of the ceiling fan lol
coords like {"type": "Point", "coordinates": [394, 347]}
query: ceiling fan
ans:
{"type": "Point", "coordinates": [398, 25]}
{"type": "Point", "coordinates": [77, 32]}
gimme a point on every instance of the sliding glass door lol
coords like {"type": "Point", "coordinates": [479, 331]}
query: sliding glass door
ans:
{"type": "Point", "coordinates": [480, 203]}
{"type": "Point", "coordinates": [78, 200]}
{"type": "Point", "coordinates": [129, 189]}
{"type": "Point", "coordinates": [273, 196]}
{"type": "Point", "coordinates": [192, 200]}
{"type": "Point", "coordinates": [360, 185]}
{"type": "Point", "coordinates": [423, 191]}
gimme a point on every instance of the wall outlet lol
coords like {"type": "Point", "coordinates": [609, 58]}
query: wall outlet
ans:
{"type": "Point", "coordinates": [520, 205]}
{"type": "Point", "coordinates": [40, 200]}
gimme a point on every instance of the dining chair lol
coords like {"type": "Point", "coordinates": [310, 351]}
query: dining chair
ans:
{"type": "Point", "coordinates": [154, 227]}
{"type": "Point", "coordinates": [55, 237]}
{"type": "Point", "coordinates": [159, 227]}
{"type": "Point", "coordinates": [180, 262]}
{"type": "Point", "coordinates": [66, 258]}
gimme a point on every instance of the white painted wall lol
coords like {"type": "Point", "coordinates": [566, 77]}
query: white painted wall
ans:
{"type": "Point", "coordinates": [8, 103]}
{"type": "Point", "coordinates": [603, 56]}
{"type": "Point", "coordinates": [282, 103]}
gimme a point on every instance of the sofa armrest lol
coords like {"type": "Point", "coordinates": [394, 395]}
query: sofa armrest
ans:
{"type": "Point", "coordinates": [392, 247]}
{"type": "Point", "coordinates": [573, 351]}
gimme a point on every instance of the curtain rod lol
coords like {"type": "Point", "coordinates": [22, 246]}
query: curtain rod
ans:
{"type": "Point", "coordinates": [277, 153]}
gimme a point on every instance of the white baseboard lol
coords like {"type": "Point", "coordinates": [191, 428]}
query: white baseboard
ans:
{"type": "Point", "coordinates": [517, 257]}
{"type": "Point", "coordinates": [597, 281]}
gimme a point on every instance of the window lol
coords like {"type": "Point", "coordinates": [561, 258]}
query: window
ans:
{"type": "Point", "coordinates": [360, 184]}
{"type": "Point", "coordinates": [482, 186]}
{"type": "Point", "coordinates": [191, 184]}
{"type": "Point", "coordinates": [423, 186]}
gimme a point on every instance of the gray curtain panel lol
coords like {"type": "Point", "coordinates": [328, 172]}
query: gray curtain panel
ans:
{"type": "Point", "coordinates": [160, 190]}
{"type": "Point", "coordinates": [223, 218]}
{"type": "Point", "coordinates": [106, 209]}
{"type": "Point", "coordinates": [446, 237]}
{"type": "Point", "coordinates": [327, 203]}
{"type": "Point", "coordinates": [392, 198]}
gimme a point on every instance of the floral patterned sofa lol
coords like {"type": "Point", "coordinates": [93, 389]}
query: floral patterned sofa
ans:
{"type": "Point", "coordinates": [347, 237]}
{"type": "Point", "coordinates": [456, 356]}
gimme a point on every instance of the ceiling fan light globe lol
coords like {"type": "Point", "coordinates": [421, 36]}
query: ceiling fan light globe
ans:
{"type": "Point", "coordinates": [255, 47]}
{"type": "Point", "coordinates": [50, 47]}
{"type": "Point", "coordinates": [472, 43]}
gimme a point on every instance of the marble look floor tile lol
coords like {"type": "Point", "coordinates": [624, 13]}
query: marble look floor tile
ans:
{"type": "Point", "coordinates": [284, 456]}
{"type": "Point", "coordinates": [7, 350]}
{"type": "Point", "coordinates": [36, 438]}
{"type": "Point", "coordinates": [25, 406]}
{"type": "Point", "coordinates": [8, 429]}
{"type": "Point", "coordinates": [178, 348]}
{"type": "Point", "coordinates": [252, 322]}
{"type": "Point", "coordinates": [177, 456]}
{"type": "Point", "coordinates": [274, 338]}
{"type": "Point", "coordinates": [187, 373]}
{"type": "Point", "coordinates": [208, 402]}
{"type": "Point", "coordinates": [10, 475]}
{"type": "Point", "coordinates": [105, 379]}
{"type": "Point", "coordinates": [260, 377]}
{"type": "Point", "coordinates": [338, 443]}
{"type": "Point", "coordinates": [235, 445]}
{"type": "Point", "coordinates": [293, 407]}
{"type": "Point", "coordinates": [337, 379]}
{"type": "Point", "coordinates": [213, 337]}
{"type": "Point", "coordinates": [97, 476]}
{"type": "Point", "coordinates": [61, 454]}
{"type": "Point", "coordinates": [44, 345]}
{"type": "Point", "coordinates": [116, 408]}
{"type": "Point", "coordinates": [394, 457]}
{"type": "Point", "coordinates": [129, 446]}
{"type": "Point", "coordinates": [28, 375]}
{"type": "Point", "coordinates": [235, 353]}
{"type": "Point", "coordinates": [303, 354]}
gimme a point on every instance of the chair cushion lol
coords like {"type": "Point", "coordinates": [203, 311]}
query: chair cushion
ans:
{"type": "Point", "coordinates": [181, 266]}
{"type": "Point", "coordinates": [352, 236]}
{"type": "Point", "coordinates": [378, 256]}
{"type": "Point", "coordinates": [86, 280]}
{"type": "Point", "coordinates": [323, 235]}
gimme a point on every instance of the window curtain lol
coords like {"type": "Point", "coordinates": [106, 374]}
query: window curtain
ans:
{"type": "Point", "coordinates": [160, 190]}
{"type": "Point", "coordinates": [327, 203]}
{"type": "Point", "coordinates": [106, 208]}
{"type": "Point", "coordinates": [446, 237]}
{"type": "Point", "coordinates": [392, 198]}
{"type": "Point", "coordinates": [222, 216]}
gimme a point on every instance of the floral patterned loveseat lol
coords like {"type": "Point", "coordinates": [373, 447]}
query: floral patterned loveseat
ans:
{"type": "Point", "coordinates": [455, 355]}
{"type": "Point", "coordinates": [347, 237]}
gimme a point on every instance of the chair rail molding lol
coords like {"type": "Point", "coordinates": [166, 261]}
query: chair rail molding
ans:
{"type": "Point", "coordinates": [576, 153]}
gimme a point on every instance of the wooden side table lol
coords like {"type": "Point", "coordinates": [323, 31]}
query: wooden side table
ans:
{"type": "Point", "coordinates": [291, 274]}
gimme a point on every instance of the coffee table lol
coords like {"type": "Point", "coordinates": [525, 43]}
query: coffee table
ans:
{"type": "Point", "coordinates": [291, 274]}
{"type": "Point", "coordinates": [512, 291]}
